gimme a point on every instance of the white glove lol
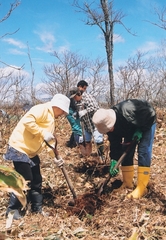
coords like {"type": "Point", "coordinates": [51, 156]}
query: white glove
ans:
{"type": "Point", "coordinates": [74, 115]}
{"type": "Point", "coordinates": [48, 136]}
{"type": "Point", "coordinates": [82, 113]}
{"type": "Point", "coordinates": [81, 139]}
{"type": "Point", "coordinates": [59, 162]}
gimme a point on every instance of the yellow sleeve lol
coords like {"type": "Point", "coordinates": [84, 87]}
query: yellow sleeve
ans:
{"type": "Point", "coordinates": [34, 119]}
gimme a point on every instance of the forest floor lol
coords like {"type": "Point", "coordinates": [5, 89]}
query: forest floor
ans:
{"type": "Point", "coordinates": [109, 216]}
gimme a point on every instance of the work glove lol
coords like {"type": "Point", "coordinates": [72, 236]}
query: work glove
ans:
{"type": "Point", "coordinates": [59, 161]}
{"type": "Point", "coordinates": [81, 139]}
{"type": "Point", "coordinates": [74, 115]}
{"type": "Point", "coordinates": [48, 136]}
{"type": "Point", "coordinates": [82, 113]}
{"type": "Point", "coordinates": [137, 135]}
{"type": "Point", "coordinates": [113, 171]}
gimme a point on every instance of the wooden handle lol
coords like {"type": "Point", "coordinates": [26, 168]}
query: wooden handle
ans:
{"type": "Point", "coordinates": [104, 183]}
{"type": "Point", "coordinates": [63, 171]}
{"type": "Point", "coordinates": [69, 182]}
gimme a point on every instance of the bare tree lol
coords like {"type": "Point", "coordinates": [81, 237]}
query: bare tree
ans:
{"type": "Point", "coordinates": [71, 68]}
{"type": "Point", "coordinates": [142, 77]}
{"type": "Point", "coordinates": [161, 15]}
{"type": "Point", "coordinates": [105, 17]}
{"type": "Point", "coordinates": [4, 83]}
{"type": "Point", "coordinates": [14, 87]}
{"type": "Point", "coordinates": [65, 73]}
{"type": "Point", "coordinates": [132, 76]}
{"type": "Point", "coordinates": [159, 71]}
{"type": "Point", "coordinates": [13, 6]}
{"type": "Point", "coordinates": [98, 79]}
{"type": "Point", "coordinates": [33, 95]}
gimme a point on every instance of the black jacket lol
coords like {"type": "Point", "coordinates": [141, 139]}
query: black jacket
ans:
{"type": "Point", "coordinates": [131, 115]}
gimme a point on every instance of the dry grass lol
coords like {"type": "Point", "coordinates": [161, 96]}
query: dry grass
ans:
{"type": "Point", "coordinates": [116, 218]}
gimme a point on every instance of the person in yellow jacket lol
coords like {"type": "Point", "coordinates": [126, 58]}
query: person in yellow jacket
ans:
{"type": "Point", "coordinates": [26, 142]}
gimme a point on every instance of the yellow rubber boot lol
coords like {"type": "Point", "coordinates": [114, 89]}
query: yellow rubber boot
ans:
{"type": "Point", "coordinates": [128, 174]}
{"type": "Point", "coordinates": [142, 182]}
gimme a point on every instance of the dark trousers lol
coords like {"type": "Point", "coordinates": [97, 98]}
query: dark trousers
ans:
{"type": "Point", "coordinates": [144, 149]}
{"type": "Point", "coordinates": [31, 174]}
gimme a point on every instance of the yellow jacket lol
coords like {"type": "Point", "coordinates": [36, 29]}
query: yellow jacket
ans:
{"type": "Point", "coordinates": [28, 135]}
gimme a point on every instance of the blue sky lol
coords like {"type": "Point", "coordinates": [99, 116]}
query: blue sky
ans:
{"type": "Point", "coordinates": [48, 25]}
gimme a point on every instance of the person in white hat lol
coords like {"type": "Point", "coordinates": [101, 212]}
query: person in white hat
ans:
{"type": "Point", "coordinates": [130, 119]}
{"type": "Point", "coordinates": [26, 142]}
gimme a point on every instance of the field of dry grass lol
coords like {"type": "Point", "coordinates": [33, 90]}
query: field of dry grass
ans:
{"type": "Point", "coordinates": [114, 218]}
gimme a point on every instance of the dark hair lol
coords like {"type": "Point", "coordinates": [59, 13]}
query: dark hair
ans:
{"type": "Point", "coordinates": [82, 83]}
{"type": "Point", "coordinates": [73, 104]}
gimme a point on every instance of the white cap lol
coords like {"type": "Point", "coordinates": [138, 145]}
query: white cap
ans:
{"type": "Point", "coordinates": [61, 101]}
{"type": "Point", "coordinates": [104, 119]}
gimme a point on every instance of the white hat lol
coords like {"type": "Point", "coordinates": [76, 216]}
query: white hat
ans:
{"type": "Point", "coordinates": [104, 119]}
{"type": "Point", "coordinates": [61, 101]}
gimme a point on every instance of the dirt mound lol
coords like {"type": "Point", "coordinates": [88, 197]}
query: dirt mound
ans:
{"type": "Point", "coordinates": [85, 204]}
{"type": "Point", "coordinates": [92, 168]}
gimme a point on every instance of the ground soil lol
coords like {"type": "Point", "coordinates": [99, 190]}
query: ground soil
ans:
{"type": "Point", "coordinates": [109, 216]}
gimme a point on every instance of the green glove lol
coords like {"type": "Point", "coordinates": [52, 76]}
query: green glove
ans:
{"type": "Point", "coordinates": [138, 135]}
{"type": "Point", "coordinates": [113, 171]}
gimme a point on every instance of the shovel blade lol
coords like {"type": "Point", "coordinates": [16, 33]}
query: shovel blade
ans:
{"type": "Point", "coordinates": [86, 149]}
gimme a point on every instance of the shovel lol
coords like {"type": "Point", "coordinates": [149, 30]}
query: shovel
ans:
{"type": "Point", "coordinates": [85, 147]}
{"type": "Point", "coordinates": [105, 182]}
{"type": "Point", "coordinates": [63, 169]}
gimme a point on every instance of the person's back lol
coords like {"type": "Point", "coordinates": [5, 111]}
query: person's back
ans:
{"type": "Point", "coordinates": [137, 112]}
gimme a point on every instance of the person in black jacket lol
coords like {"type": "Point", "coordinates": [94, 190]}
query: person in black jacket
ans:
{"type": "Point", "coordinates": [125, 121]}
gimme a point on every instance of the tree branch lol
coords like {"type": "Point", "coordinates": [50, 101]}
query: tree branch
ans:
{"type": "Point", "coordinates": [17, 68]}
{"type": "Point", "coordinates": [12, 7]}
{"type": "Point", "coordinates": [9, 33]}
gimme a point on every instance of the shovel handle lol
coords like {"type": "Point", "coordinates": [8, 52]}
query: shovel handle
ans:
{"type": "Point", "coordinates": [63, 171]}
{"type": "Point", "coordinates": [53, 148]}
{"type": "Point", "coordinates": [68, 182]}
{"type": "Point", "coordinates": [105, 182]}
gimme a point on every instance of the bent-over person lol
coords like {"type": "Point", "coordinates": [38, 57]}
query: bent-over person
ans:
{"type": "Point", "coordinates": [26, 142]}
{"type": "Point", "coordinates": [130, 119]}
